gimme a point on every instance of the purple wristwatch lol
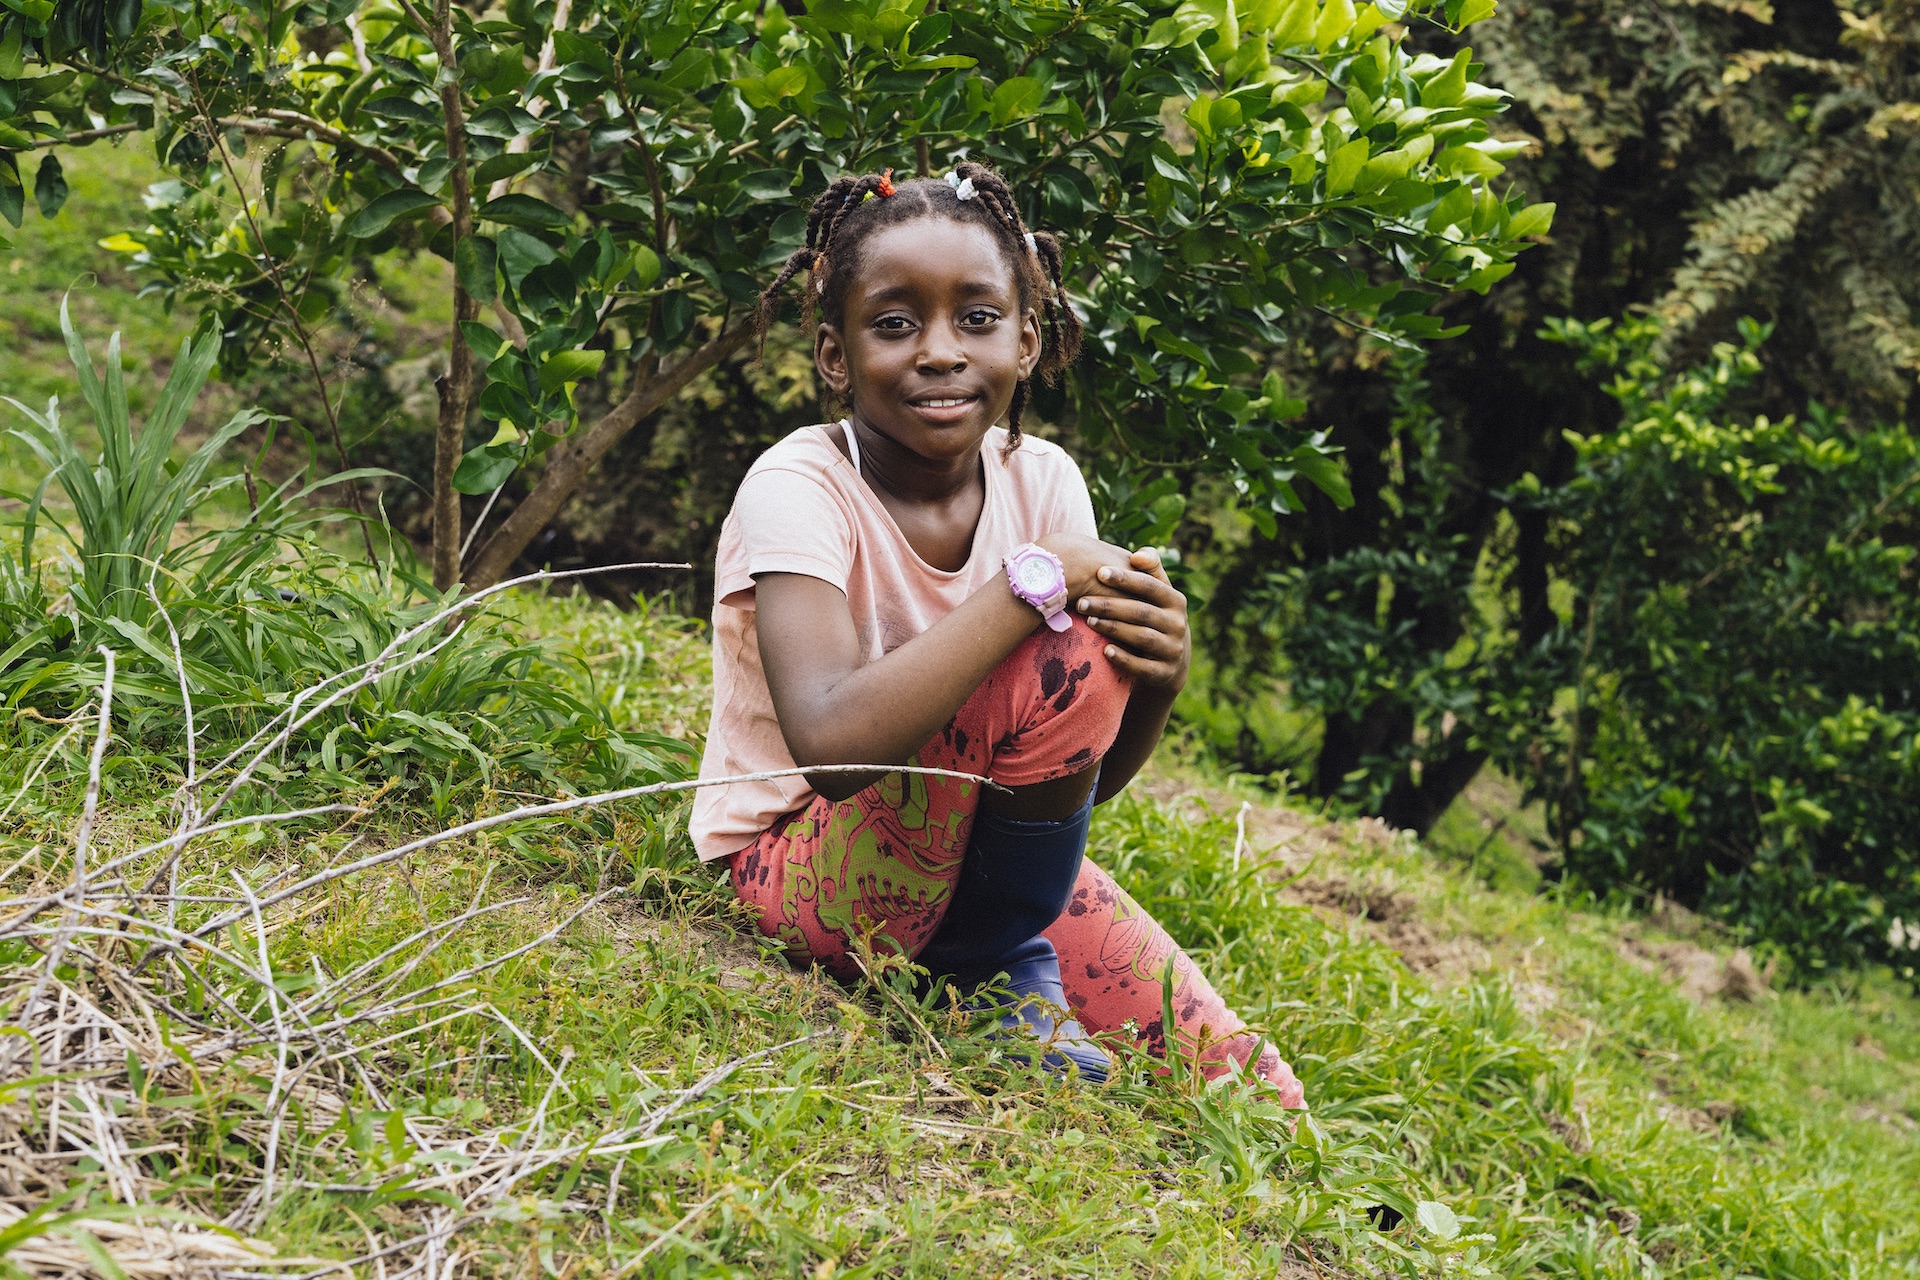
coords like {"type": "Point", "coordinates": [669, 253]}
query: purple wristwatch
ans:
{"type": "Point", "coordinates": [1037, 577]}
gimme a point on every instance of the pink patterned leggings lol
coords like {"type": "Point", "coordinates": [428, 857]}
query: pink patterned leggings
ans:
{"type": "Point", "coordinates": [886, 860]}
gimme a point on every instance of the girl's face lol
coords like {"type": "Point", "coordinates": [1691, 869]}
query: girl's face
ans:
{"type": "Point", "coordinates": [934, 337]}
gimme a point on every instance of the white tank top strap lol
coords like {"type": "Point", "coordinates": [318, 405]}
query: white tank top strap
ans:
{"type": "Point", "coordinates": [853, 443]}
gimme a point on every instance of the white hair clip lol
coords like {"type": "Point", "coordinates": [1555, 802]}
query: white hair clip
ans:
{"type": "Point", "coordinates": [962, 187]}
{"type": "Point", "coordinates": [1033, 246]}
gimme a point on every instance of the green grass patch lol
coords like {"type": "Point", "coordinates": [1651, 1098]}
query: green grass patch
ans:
{"type": "Point", "coordinates": [1557, 1093]}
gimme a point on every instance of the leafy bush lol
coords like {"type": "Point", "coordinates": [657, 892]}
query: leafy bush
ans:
{"type": "Point", "coordinates": [617, 180]}
{"type": "Point", "coordinates": [1729, 710]}
{"type": "Point", "coordinates": [1711, 675]}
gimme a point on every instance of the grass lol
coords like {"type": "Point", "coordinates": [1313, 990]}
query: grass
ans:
{"type": "Point", "coordinates": [1563, 1101]}
{"type": "Point", "coordinates": [52, 256]}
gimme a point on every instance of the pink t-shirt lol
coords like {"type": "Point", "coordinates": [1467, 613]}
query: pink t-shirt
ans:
{"type": "Point", "coordinates": [803, 508]}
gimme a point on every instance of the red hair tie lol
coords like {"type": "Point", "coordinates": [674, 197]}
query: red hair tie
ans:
{"type": "Point", "coordinates": [885, 186]}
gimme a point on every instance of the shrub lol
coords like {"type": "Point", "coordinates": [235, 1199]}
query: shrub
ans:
{"type": "Point", "coordinates": [1728, 711]}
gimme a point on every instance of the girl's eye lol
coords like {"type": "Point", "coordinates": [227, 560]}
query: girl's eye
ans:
{"type": "Point", "coordinates": [979, 318]}
{"type": "Point", "coordinates": [891, 324]}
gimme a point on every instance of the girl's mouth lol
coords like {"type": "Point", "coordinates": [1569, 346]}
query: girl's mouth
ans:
{"type": "Point", "coordinates": [944, 409]}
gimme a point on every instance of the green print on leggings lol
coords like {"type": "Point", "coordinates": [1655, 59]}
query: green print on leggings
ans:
{"type": "Point", "coordinates": [885, 854]}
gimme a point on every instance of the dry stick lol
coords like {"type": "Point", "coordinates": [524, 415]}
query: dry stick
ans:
{"type": "Point", "coordinates": [411, 999]}
{"type": "Point", "coordinates": [581, 802]}
{"type": "Point", "coordinates": [374, 667]}
{"type": "Point", "coordinates": [671, 1233]}
{"type": "Point", "coordinates": [1240, 833]}
{"type": "Point", "coordinates": [82, 837]}
{"type": "Point", "coordinates": [293, 314]}
{"type": "Point", "coordinates": [186, 694]}
{"type": "Point", "coordinates": [31, 908]}
{"type": "Point", "coordinates": [368, 966]}
{"type": "Point", "coordinates": [277, 1094]}
{"type": "Point", "coordinates": [40, 905]}
{"type": "Point", "coordinates": [714, 1077]}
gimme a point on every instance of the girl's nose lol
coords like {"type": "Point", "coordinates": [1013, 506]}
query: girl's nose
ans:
{"type": "Point", "coordinates": [943, 352]}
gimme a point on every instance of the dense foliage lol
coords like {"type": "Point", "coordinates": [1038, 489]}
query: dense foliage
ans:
{"type": "Point", "coordinates": [1722, 702]}
{"type": "Point", "coordinates": [613, 180]}
{"type": "Point", "coordinates": [1707, 161]}
{"type": "Point", "coordinates": [1742, 647]}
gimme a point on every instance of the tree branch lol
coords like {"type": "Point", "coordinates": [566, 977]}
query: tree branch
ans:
{"type": "Point", "coordinates": [568, 464]}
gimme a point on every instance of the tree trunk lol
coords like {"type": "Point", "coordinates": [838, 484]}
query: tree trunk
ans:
{"type": "Point", "coordinates": [456, 387]}
{"type": "Point", "coordinates": [569, 463]}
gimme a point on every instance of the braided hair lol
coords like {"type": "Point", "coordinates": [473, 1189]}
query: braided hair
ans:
{"type": "Point", "coordinates": [843, 216]}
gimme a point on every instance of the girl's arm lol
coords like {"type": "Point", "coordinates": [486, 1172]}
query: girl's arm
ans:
{"type": "Point", "coordinates": [834, 710]}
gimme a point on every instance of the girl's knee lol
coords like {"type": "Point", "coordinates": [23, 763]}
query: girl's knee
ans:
{"type": "Point", "coordinates": [1072, 666]}
{"type": "Point", "coordinates": [1054, 706]}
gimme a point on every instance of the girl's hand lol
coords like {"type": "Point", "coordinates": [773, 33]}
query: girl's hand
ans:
{"type": "Point", "coordinates": [1144, 620]}
{"type": "Point", "coordinates": [1083, 558]}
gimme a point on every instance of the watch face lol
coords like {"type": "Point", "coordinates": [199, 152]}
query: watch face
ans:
{"type": "Point", "coordinates": [1038, 576]}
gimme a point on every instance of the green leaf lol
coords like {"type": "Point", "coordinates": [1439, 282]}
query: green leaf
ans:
{"type": "Point", "coordinates": [400, 106]}
{"type": "Point", "coordinates": [646, 267]}
{"type": "Point", "coordinates": [475, 266]}
{"type": "Point", "coordinates": [383, 210]}
{"type": "Point", "coordinates": [1436, 1219]}
{"type": "Point", "coordinates": [1453, 209]}
{"type": "Point", "coordinates": [1325, 472]}
{"type": "Point", "coordinates": [12, 65]}
{"type": "Point", "coordinates": [1447, 88]}
{"type": "Point", "coordinates": [1472, 11]}
{"type": "Point", "coordinates": [1294, 25]}
{"type": "Point", "coordinates": [484, 470]}
{"type": "Point", "coordinates": [49, 186]}
{"type": "Point", "coordinates": [1534, 220]}
{"type": "Point", "coordinates": [484, 341]}
{"type": "Point", "coordinates": [32, 10]}
{"type": "Point", "coordinates": [507, 164]}
{"type": "Point", "coordinates": [1185, 26]}
{"type": "Point", "coordinates": [563, 367]}
{"type": "Point", "coordinates": [13, 197]}
{"type": "Point", "coordinates": [1336, 19]}
{"type": "Point", "coordinates": [524, 211]}
{"type": "Point", "coordinates": [1016, 99]}
{"type": "Point", "coordinates": [1344, 166]}
{"type": "Point", "coordinates": [521, 253]}
{"type": "Point", "coordinates": [769, 184]}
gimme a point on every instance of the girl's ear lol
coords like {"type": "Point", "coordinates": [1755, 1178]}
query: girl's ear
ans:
{"type": "Point", "coordinates": [830, 360]}
{"type": "Point", "coordinates": [1031, 343]}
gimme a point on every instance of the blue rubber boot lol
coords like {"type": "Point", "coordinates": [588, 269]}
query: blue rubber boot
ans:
{"type": "Point", "coordinates": [1016, 880]}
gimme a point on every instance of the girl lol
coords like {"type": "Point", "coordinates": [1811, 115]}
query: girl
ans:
{"type": "Point", "coordinates": [916, 585]}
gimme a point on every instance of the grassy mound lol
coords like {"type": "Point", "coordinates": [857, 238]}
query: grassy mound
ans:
{"type": "Point", "coordinates": [549, 1046]}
